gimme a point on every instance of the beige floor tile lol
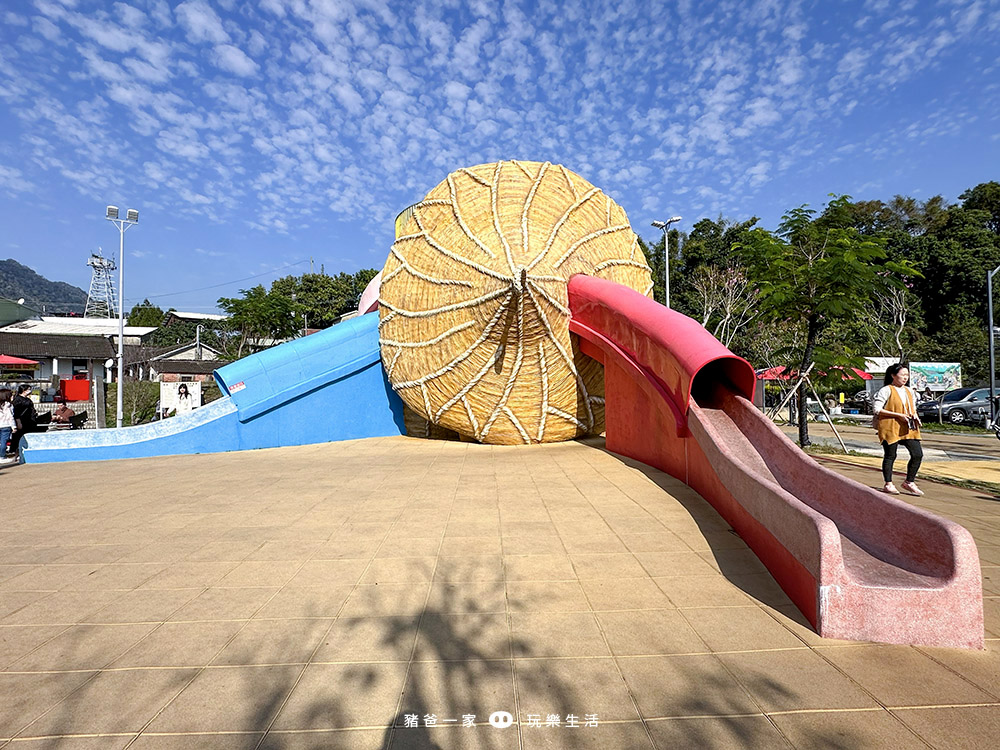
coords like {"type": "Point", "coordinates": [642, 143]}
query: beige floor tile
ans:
{"type": "Point", "coordinates": [546, 596]}
{"type": "Point", "coordinates": [12, 571]}
{"type": "Point", "coordinates": [577, 686]}
{"type": "Point", "coordinates": [344, 572]}
{"type": "Point", "coordinates": [274, 642]}
{"type": "Point", "coordinates": [702, 591]}
{"type": "Point", "coordinates": [968, 728]}
{"type": "Point", "coordinates": [463, 636]}
{"type": "Point", "coordinates": [982, 668]}
{"type": "Point", "coordinates": [399, 570]}
{"type": "Point", "coordinates": [469, 568]}
{"type": "Point", "coordinates": [364, 639]}
{"type": "Point", "coordinates": [538, 568]}
{"type": "Point", "coordinates": [651, 632]}
{"type": "Point", "coordinates": [472, 528]}
{"type": "Point", "coordinates": [455, 688]}
{"type": "Point", "coordinates": [629, 593]}
{"type": "Point", "coordinates": [607, 566]}
{"type": "Point", "coordinates": [594, 544]}
{"type": "Point", "coordinates": [305, 601]}
{"type": "Point", "coordinates": [512, 529]}
{"type": "Point", "coordinates": [673, 686]}
{"type": "Point", "coordinates": [369, 600]}
{"type": "Point", "coordinates": [736, 732]}
{"type": "Point", "coordinates": [17, 640]}
{"type": "Point", "coordinates": [260, 573]}
{"type": "Point", "coordinates": [247, 741]}
{"type": "Point", "coordinates": [410, 547]}
{"type": "Point", "coordinates": [351, 739]}
{"type": "Point", "coordinates": [630, 734]}
{"type": "Point", "coordinates": [557, 634]}
{"type": "Point", "coordinates": [83, 647]}
{"type": "Point", "coordinates": [794, 680]}
{"type": "Point", "coordinates": [180, 644]}
{"type": "Point", "coordinates": [12, 601]}
{"type": "Point", "coordinates": [190, 574]}
{"type": "Point", "coordinates": [224, 551]}
{"type": "Point", "coordinates": [225, 604]}
{"type": "Point", "coordinates": [659, 541]}
{"type": "Point", "coordinates": [472, 597]}
{"type": "Point", "coordinates": [346, 549]}
{"type": "Point", "coordinates": [847, 729]}
{"type": "Point", "coordinates": [750, 629]}
{"type": "Point", "coordinates": [454, 737]}
{"type": "Point", "coordinates": [63, 607]}
{"type": "Point", "coordinates": [533, 545]}
{"type": "Point", "coordinates": [674, 564]}
{"type": "Point", "coordinates": [102, 742]}
{"type": "Point", "coordinates": [48, 577]}
{"type": "Point", "coordinates": [112, 702]}
{"type": "Point", "coordinates": [143, 605]}
{"type": "Point", "coordinates": [228, 699]}
{"type": "Point", "coordinates": [28, 696]}
{"type": "Point", "coordinates": [285, 550]}
{"type": "Point", "coordinates": [470, 545]}
{"type": "Point", "coordinates": [902, 676]}
{"type": "Point", "coordinates": [339, 696]}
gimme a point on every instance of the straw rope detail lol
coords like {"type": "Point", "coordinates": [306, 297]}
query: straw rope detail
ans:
{"type": "Point", "coordinates": [474, 325]}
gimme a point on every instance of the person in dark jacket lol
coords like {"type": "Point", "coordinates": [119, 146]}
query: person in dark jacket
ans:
{"type": "Point", "coordinates": [24, 415]}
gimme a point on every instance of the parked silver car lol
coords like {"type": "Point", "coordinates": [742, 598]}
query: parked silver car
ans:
{"type": "Point", "coordinates": [960, 406]}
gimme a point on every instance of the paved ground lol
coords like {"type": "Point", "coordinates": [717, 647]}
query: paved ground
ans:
{"type": "Point", "coordinates": [317, 597]}
{"type": "Point", "coordinates": [961, 446]}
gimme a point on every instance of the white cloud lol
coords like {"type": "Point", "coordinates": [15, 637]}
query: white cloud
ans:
{"type": "Point", "coordinates": [201, 22]}
{"type": "Point", "coordinates": [234, 60]}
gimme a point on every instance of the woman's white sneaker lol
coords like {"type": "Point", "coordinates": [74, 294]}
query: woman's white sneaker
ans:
{"type": "Point", "coordinates": [912, 488]}
{"type": "Point", "coordinates": [891, 488]}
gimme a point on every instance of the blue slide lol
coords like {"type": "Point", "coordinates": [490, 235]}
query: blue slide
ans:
{"type": "Point", "coordinates": [321, 388]}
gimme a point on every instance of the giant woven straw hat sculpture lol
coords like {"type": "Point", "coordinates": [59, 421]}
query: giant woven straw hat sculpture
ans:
{"type": "Point", "coordinates": [474, 325]}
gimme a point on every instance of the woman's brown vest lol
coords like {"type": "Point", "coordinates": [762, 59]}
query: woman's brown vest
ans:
{"type": "Point", "coordinates": [892, 429]}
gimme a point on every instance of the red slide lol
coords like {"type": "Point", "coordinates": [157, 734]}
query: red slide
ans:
{"type": "Point", "coordinates": [858, 563]}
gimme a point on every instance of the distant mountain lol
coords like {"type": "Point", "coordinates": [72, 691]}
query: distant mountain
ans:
{"type": "Point", "coordinates": [56, 297]}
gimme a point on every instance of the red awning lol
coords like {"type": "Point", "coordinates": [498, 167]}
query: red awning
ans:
{"type": "Point", "coordinates": [7, 360]}
{"type": "Point", "coordinates": [780, 373]}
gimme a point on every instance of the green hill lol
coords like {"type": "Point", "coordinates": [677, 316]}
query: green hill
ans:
{"type": "Point", "coordinates": [56, 297]}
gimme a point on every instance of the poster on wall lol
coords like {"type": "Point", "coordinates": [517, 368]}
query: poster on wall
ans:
{"type": "Point", "coordinates": [938, 376]}
{"type": "Point", "coordinates": [179, 398]}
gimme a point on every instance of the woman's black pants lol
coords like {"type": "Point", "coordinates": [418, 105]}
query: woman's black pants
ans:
{"type": "Point", "coordinates": [916, 456]}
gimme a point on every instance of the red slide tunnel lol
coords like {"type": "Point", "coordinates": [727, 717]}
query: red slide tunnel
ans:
{"type": "Point", "coordinates": [859, 564]}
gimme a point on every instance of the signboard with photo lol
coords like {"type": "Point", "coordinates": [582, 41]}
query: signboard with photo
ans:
{"type": "Point", "coordinates": [938, 376]}
{"type": "Point", "coordinates": [179, 398]}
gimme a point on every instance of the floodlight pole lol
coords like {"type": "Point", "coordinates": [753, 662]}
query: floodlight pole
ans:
{"type": "Point", "coordinates": [131, 218]}
{"type": "Point", "coordinates": [989, 321]}
{"type": "Point", "coordinates": [665, 226]}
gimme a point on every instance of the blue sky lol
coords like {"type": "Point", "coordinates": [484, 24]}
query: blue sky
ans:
{"type": "Point", "coordinates": [252, 136]}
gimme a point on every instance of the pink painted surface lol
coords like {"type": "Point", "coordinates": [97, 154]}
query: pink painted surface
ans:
{"type": "Point", "coordinates": [859, 564]}
{"type": "Point", "coordinates": [369, 297]}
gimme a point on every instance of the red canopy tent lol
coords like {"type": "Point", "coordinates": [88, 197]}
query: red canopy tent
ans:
{"type": "Point", "coordinates": [8, 360]}
{"type": "Point", "coordinates": [781, 373]}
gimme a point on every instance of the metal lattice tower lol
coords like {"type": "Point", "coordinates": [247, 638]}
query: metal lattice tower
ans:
{"type": "Point", "coordinates": [101, 299]}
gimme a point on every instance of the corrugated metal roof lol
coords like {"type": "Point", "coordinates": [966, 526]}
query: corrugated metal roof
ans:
{"type": "Point", "coordinates": [33, 345]}
{"type": "Point", "coordinates": [195, 315]}
{"type": "Point", "coordinates": [74, 327]}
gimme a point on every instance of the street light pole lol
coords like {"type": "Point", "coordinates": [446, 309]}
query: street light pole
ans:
{"type": "Point", "coordinates": [131, 218]}
{"type": "Point", "coordinates": [989, 321]}
{"type": "Point", "coordinates": [665, 226]}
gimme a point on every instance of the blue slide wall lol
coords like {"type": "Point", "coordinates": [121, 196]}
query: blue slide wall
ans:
{"type": "Point", "coordinates": [321, 388]}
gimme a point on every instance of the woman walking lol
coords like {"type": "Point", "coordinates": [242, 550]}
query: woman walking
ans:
{"type": "Point", "coordinates": [898, 424]}
{"type": "Point", "coordinates": [7, 421]}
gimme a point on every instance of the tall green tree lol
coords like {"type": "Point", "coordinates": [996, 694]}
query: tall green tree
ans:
{"type": "Point", "coordinates": [815, 271]}
{"type": "Point", "coordinates": [145, 313]}
{"type": "Point", "coordinates": [259, 318]}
